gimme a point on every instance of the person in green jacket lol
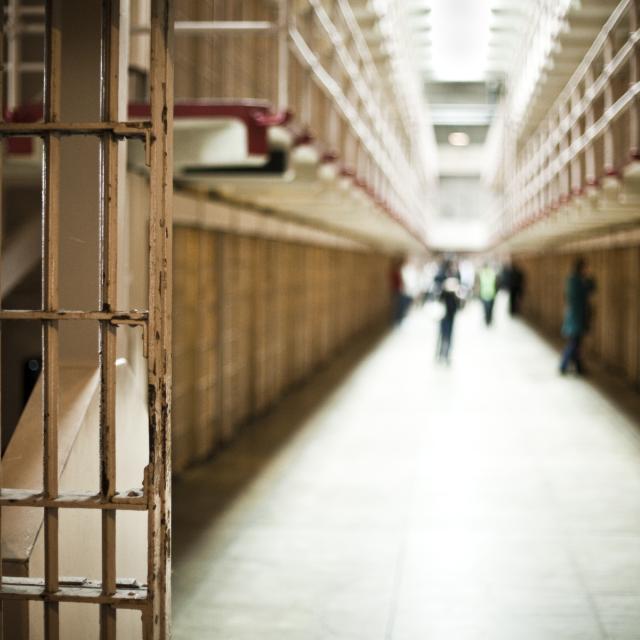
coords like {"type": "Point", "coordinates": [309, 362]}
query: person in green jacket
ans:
{"type": "Point", "coordinates": [577, 315]}
{"type": "Point", "coordinates": [488, 288]}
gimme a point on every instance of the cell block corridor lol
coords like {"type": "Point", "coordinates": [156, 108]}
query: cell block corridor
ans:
{"type": "Point", "coordinates": [319, 319]}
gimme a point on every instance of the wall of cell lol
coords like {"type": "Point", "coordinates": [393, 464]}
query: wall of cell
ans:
{"type": "Point", "coordinates": [252, 318]}
{"type": "Point", "coordinates": [226, 65]}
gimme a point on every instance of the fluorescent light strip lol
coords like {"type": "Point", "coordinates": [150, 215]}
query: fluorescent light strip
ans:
{"type": "Point", "coordinates": [460, 34]}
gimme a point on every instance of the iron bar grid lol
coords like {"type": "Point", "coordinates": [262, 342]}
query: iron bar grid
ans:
{"type": "Point", "coordinates": [110, 593]}
{"type": "Point", "coordinates": [3, 24]}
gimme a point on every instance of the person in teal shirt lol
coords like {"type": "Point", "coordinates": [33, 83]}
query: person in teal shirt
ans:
{"type": "Point", "coordinates": [577, 315]}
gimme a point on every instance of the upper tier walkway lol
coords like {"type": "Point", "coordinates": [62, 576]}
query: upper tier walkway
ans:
{"type": "Point", "coordinates": [396, 499]}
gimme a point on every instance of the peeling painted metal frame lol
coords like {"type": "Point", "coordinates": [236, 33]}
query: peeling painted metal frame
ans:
{"type": "Point", "coordinates": [152, 599]}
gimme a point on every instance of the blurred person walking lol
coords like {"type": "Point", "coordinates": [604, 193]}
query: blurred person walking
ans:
{"type": "Point", "coordinates": [467, 278]}
{"type": "Point", "coordinates": [446, 269]}
{"type": "Point", "coordinates": [512, 279]}
{"type": "Point", "coordinates": [401, 300]}
{"type": "Point", "coordinates": [488, 284]}
{"type": "Point", "coordinates": [516, 289]}
{"type": "Point", "coordinates": [450, 298]}
{"type": "Point", "coordinates": [577, 315]}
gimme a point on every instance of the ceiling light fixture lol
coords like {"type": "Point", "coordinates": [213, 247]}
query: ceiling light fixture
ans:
{"type": "Point", "coordinates": [459, 139]}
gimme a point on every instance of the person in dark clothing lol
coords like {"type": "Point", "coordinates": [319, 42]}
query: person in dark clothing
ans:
{"type": "Point", "coordinates": [446, 269]}
{"type": "Point", "coordinates": [515, 286]}
{"type": "Point", "coordinates": [401, 301]}
{"type": "Point", "coordinates": [450, 298]}
{"type": "Point", "coordinates": [577, 315]}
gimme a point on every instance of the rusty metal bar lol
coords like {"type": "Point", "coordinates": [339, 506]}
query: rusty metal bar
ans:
{"type": "Point", "coordinates": [50, 337]}
{"type": "Point", "coordinates": [156, 618]}
{"type": "Point", "coordinates": [117, 317]}
{"type": "Point", "coordinates": [117, 129]}
{"type": "Point", "coordinates": [129, 594]}
{"type": "Point", "coordinates": [132, 500]}
{"type": "Point", "coordinates": [3, 19]}
{"type": "Point", "coordinates": [109, 81]}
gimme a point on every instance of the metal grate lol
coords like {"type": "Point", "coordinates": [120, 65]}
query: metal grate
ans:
{"type": "Point", "coordinates": [151, 599]}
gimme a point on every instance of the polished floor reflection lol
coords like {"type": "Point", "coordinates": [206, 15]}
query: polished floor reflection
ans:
{"type": "Point", "coordinates": [397, 499]}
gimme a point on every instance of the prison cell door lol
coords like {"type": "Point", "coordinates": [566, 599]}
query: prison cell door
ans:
{"type": "Point", "coordinates": [110, 593]}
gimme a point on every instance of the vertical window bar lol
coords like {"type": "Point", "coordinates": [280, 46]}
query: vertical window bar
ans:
{"type": "Point", "coordinates": [50, 345]}
{"type": "Point", "coordinates": [109, 72]}
{"type": "Point", "coordinates": [282, 97]}
{"type": "Point", "coordinates": [634, 76]}
{"type": "Point", "coordinates": [156, 619]}
{"type": "Point", "coordinates": [3, 24]}
{"type": "Point", "coordinates": [14, 48]}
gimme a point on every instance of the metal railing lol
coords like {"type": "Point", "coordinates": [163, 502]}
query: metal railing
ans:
{"type": "Point", "coordinates": [546, 20]}
{"type": "Point", "coordinates": [384, 138]}
{"type": "Point", "coordinates": [318, 65]}
{"type": "Point", "coordinates": [590, 134]}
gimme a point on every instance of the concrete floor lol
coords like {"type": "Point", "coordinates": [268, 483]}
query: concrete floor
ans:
{"type": "Point", "coordinates": [397, 499]}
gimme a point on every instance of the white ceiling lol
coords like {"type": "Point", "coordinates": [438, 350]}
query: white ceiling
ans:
{"type": "Point", "coordinates": [475, 55]}
{"type": "Point", "coordinates": [467, 40]}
